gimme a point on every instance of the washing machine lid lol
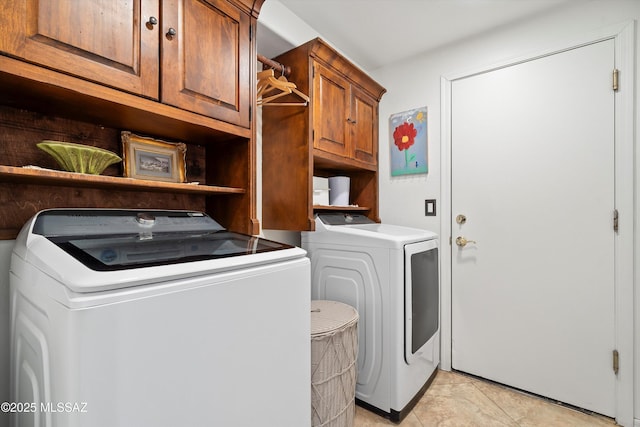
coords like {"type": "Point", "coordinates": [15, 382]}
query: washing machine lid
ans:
{"type": "Point", "coordinates": [110, 240]}
{"type": "Point", "coordinates": [94, 250]}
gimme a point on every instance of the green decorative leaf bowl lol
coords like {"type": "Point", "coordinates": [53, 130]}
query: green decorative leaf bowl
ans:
{"type": "Point", "coordinates": [79, 158]}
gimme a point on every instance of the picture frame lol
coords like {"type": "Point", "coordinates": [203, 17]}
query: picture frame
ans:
{"type": "Point", "coordinates": [153, 159]}
{"type": "Point", "coordinates": [408, 142]}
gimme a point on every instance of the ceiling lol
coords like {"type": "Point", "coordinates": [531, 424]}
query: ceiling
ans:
{"type": "Point", "coordinates": [377, 33]}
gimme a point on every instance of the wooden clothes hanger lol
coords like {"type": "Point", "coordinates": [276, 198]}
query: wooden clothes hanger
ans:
{"type": "Point", "coordinates": [267, 83]}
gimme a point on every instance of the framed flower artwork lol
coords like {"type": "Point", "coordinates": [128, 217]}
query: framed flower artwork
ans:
{"type": "Point", "coordinates": [409, 142]}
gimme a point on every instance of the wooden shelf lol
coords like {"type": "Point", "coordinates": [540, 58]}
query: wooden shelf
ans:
{"type": "Point", "coordinates": [340, 208]}
{"type": "Point", "coordinates": [328, 161]}
{"type": "Point", "coordinates": [72, 179]}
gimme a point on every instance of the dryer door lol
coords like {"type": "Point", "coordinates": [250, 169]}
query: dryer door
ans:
{"type": "Point", "coordinates": [422, 300]}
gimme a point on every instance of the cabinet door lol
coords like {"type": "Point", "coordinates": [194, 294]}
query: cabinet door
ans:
{"type": "Point", "coordinates": [205, 65]}
{"type": "Point", "coordinates": [105, 41]}
{"type": "Point", "coordinates": [330, 111]}
{"type": "Point", "coordinates": [364, 126]}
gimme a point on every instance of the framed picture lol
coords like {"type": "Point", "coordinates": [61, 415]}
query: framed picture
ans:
{"type": "Point", "coordinates": [409, 142]}
{"type": "Point", "coordinates": [152, 159]}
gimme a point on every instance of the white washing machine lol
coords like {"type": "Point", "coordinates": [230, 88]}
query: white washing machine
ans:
{"type": "Point", "coordinates": [390, 275]}
{"type": "Point", "coordinates": [156, 318]}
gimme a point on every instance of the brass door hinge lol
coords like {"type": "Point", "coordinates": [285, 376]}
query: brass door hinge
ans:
{"type": "Point", "coordinates": [616, 362]}
{"type": "Point", "coordinates": [615, 220]}
{"type": "Point", "coordinates": [615, 79]}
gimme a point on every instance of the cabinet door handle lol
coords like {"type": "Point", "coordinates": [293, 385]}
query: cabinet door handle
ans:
{"type": "Point", "coordinates": [171, 33]}
{"type": "Point", "coordinates": [349, 120]}
{"type": "Point", "coordinates": [151, 22]}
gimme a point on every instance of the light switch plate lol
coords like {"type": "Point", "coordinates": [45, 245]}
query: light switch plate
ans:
{"type": "Point", "coordinates": [430, 207]}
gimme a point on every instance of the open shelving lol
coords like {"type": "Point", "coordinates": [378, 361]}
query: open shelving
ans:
{"type": "Point", "coordinates": [72, 179]}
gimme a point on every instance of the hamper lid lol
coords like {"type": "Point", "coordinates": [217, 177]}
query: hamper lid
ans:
{"type": "Point", "coordinates": [328, 316]}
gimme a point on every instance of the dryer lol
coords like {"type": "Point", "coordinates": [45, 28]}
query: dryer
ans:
{"type": "Point", "coordinates": [389, 274]}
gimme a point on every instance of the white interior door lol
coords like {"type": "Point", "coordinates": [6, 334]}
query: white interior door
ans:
{"type": "Point", "coordinates": [533, 174]}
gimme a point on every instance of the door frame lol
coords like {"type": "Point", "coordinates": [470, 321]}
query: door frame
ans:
{"type": "Point", "coordinates": [624, 37]}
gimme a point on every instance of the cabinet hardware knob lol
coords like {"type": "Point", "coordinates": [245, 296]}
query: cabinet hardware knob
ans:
{"type": "Point", "coordinates": [152, 21]}
{"type": "Point", "coordinates": [171, 32]}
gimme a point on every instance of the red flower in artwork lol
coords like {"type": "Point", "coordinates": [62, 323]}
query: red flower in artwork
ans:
{"type": "Point", "coordinates": [404, 135]}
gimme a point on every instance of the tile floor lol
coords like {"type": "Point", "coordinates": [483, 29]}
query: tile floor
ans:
{"type": "Point", "coordinates": [455, 399]}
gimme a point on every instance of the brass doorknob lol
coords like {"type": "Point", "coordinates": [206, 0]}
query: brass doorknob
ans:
{"type": "Point", "coordinates": [462, 242]}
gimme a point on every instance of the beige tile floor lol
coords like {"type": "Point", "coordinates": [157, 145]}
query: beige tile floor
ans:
{"type": "Point", "coordinates": [455, 399]}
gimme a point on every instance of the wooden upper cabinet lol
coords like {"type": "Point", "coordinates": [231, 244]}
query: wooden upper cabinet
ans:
{"type": "Point", "coordinates": [345, 115]}
{"type": "Point", "coordinates": [364, 126]}
{"type": "Point", "coordinates": [205, 48]}
{"type": "Point", "coordinates": [99, 40]}
{"type": "Point", "coordinates": [173, 69]}
{"type": "Point", "coordinates": [331, 107]}
{"type": "Point", "coordinates": [205, 65]}
{"type": "Point", "coordinates": [335, 135]}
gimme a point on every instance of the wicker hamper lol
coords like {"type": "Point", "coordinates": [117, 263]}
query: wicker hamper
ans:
{"type": "Point", "coordinates": [334, 353]}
